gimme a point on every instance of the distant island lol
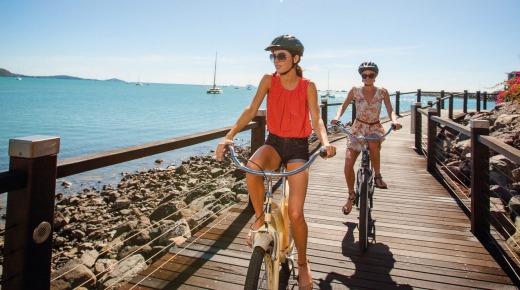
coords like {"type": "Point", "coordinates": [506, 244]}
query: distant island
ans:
{"type": "Point", "coordinates": [6, 73]}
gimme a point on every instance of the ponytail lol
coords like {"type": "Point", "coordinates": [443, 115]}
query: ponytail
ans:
{"type": "Point", "coordinates": [299, 71]}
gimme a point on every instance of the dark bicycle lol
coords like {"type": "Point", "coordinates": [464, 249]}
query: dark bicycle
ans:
{"type": "Point", "coordinates": [365, 188]}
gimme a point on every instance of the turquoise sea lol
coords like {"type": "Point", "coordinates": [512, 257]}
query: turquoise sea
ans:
{"type": "Point", "coordinates": [96, 116]}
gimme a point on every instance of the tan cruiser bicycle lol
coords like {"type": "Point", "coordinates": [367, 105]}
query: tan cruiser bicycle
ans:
{"type": "Point", "coordinates": [273, 246]}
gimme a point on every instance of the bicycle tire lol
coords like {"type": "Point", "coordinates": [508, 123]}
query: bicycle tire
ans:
{"type": "Point", "coordinates": [363, 212]}
{"type": "Point", "coordinates": [260, 272]}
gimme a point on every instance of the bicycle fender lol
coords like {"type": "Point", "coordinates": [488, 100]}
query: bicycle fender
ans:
{"type": "Point", "coordinates": [263, 240]}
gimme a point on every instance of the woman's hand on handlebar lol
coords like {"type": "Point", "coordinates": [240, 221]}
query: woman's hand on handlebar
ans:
{"type": "Point", "coordinates": [331, 151]}
{"type": "Point", "coordinates": [223, 148]}
{"type": "Point", "coordinates": [397, 126]}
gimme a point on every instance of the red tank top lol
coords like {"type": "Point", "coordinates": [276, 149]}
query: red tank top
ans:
{"type": "Point", "coordinates": [287, 110]}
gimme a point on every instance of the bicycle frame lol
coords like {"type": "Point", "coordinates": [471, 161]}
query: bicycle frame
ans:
{"type": "Point", "coordinates": [365, 188]}
{"type": "Point", "coordinates": [274, 237]}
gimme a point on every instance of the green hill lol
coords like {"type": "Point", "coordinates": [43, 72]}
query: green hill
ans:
{"type": "Point", "coordinates": [5, 73]}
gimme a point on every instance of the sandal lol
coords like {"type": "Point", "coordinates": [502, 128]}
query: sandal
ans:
{"type": "Point", "coordinates": [379, 183]}
{"type": "Point", "coordinates": [310, 285]}
{"type": "Point", "coordinates": [346, 208]}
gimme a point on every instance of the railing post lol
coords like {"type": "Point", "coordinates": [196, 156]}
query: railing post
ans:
{"type": "Point", "coordinates": [258, 133]}
{"type": "Point", "coordinates": [30, 214]}
{"type": "Point", "coordinates": [478, 101]}
{"type": "Point", "coordinates": [484, 101]}
{"type": "Point", "coordinates": [324, 111]}
{"type": "Point", "coordinates": [439, 106]}
{"type": "Point", "coordinates": [465, 102]}
{"type": "Point", "coordinates": [432, 136]}
{"type": "Point", "coordinates": [450, 109]}
{"type": "Point", "coordinates": [418, 127]}
{"type": "Point", "coordinates": [397, 102]}
{"type": "Point", "coordinates": [480, 195]}
{"type": "Point", "coordinates": [442, 100]}
{"type": "Point", "coordinates": [418, 95]}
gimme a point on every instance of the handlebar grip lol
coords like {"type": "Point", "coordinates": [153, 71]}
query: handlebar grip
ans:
{"type": "Point", "coordinates": [323, 152]}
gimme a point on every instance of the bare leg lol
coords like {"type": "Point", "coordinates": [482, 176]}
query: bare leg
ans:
{"type": "Point", "coordinates": [298, 191]}
{"type": "Point", "coordinates": [375, 157]}
{"type": "Point", "coordinates": [350, 177]}
{"type": "Point", "coordinates": [265, 158]}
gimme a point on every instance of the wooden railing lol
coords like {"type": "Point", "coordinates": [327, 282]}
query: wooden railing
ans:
{"type": "Point", "coordinates": [480, 194]}
{"type": "Point", "coordinates": [31, 184]}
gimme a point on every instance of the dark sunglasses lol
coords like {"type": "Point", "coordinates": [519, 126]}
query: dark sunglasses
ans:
{"type": "Point", "coordinates": [370, 76]}
{"type": "Point", "coordinates": [281, 56]}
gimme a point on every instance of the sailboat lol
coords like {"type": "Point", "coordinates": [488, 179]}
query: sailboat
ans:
{"type": "Point", "coordinates": [328, 94]}
{"type": "Point", "coordinates": [214, 89]}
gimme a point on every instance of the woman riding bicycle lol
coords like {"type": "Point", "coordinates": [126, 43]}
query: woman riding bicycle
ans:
{"type": "Point", "coordinates": [290, 99]}
{"type": "Point", "coordinates": [368, 100]}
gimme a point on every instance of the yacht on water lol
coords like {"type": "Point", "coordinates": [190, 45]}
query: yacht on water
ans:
{"type": "Point", "coordinates": [214, 89]}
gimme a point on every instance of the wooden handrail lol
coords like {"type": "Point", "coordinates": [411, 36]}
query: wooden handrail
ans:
{"type": "Point", "coordinates": [98, 160]}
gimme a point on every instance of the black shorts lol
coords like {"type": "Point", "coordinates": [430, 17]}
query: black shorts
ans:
{"type": "Point", "coordinates": [289, 149]}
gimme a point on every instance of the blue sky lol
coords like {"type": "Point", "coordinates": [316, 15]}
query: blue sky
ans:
{"type": "Point", "coordinates": [432, 45]}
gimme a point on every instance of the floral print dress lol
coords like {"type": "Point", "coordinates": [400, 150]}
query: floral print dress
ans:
{"type": "Point", "coordinates": [368, 113]}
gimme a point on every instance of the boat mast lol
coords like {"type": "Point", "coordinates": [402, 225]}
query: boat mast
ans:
{"type": "Point", "coordinates": [215, 72]}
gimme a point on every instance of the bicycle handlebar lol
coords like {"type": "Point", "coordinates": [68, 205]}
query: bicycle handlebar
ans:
{"type": "Point", "coordinates": [342, 127]}
{"type": "Point", "coordinates": [322, 152]}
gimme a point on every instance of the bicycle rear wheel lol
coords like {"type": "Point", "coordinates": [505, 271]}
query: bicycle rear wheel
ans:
{"type": "Point", "coordinates": [260, 272]}
{"type": "Point", "coordinates": [363, 211]}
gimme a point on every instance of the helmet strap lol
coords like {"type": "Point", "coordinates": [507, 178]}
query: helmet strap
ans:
{"type": "Point", "coordinates": [293, 65]}
{"type": "Point", "coordinates": [284, 73]}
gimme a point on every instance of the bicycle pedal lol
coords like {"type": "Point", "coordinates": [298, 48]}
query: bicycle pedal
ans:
{"type": "Point", "coordinates": [372, 229]}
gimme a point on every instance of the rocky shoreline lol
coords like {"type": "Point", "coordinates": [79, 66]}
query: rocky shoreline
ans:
{"type": "Point", "coordinates": [104, 237]}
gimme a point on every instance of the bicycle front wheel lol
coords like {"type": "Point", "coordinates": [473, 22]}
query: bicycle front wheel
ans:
{"type": "Point", "coordinates": [363, 211]}
{"type": "Point", "coordinates": [260, 273]}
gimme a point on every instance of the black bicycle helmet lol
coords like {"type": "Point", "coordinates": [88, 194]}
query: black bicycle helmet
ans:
{"type": "Point", "coordinates": [368, 65]}
{"type": "Point", "coordinates": [287, 42]}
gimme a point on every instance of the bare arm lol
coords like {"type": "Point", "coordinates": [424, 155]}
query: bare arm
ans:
{"type": "Point", "coordinates": [317, 121]}
{"type": "Point", "coordinates": [390, 109]}
{"type": "Point", "coordinates": [247, 115]}
{"type": "Point", "coordinates": [344, 106]}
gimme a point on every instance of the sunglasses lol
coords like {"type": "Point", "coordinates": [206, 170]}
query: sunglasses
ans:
{"type": "Point", "coordinates": [281, 56]}
{"type": "Point", "coordinates": [370, 76]}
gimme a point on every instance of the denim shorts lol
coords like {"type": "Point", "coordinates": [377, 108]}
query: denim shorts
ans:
{"type": "Point", "coordinates": [289, 149]}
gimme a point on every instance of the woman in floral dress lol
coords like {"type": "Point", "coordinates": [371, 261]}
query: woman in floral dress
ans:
{"type": "Point", "coordinates": [368, 100]}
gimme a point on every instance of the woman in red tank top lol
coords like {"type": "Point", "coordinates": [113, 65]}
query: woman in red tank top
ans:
{"type": "Point", "coordinates": [292, 104]}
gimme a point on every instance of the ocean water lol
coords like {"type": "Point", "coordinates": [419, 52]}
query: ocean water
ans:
{"type": "Point", "coordinates": [96, 116]}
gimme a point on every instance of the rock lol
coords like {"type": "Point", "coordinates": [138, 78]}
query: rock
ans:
{"type": "Point", "coordinates": [169, 210]}
{"type": "Point", "coordinates": [123, 272]}
{"type": "Point", "coordinates": [89, 258]}
{"type": "Point", "coordinates": [72, 275]}
{"type": "Point", "coordinates": [215, 172]}
{"type": "Point", "coordinates": [514, 207]}
{"type": "Point", "coordinates": [104, 265]}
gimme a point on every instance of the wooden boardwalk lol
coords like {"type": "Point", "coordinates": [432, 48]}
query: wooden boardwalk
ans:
{"type": "Point", "coordinates": [423, 237]}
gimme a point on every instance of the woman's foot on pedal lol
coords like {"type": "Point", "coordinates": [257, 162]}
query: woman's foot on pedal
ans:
{"type": "Point", "coordinates": [347, 208]}
{"type": "Point", "coordinates": [304, 281]}
{"type": "Point", "coordinates": [250, 238]}
{"type": "Point", "coordinates": [379, 183]}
